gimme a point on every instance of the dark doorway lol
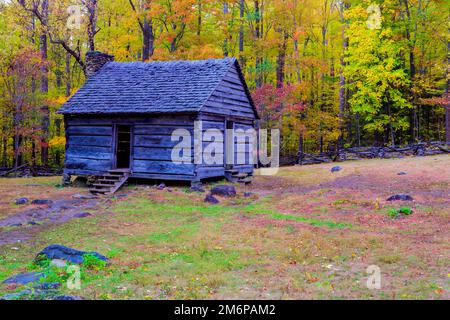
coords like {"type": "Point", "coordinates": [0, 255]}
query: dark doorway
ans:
{"type": "Point", "coordinates": [123, 147]}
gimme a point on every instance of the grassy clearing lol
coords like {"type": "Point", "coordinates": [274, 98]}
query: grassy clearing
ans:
{"type": "Point", "coordinates": [306, 234]}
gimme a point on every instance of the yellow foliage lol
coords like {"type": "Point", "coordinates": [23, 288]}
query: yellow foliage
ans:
{"type": "Point", "coordinates": [57, 142]}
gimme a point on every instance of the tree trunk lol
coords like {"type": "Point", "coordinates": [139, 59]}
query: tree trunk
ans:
{"type": "Point", "coordinates": [241, 32]}
{"type": "Point", "coordinates": [281, 60]}
{"type": "Point", "coordinates": [342, 82]}
{"type": "Point", "coordinates": [447, 95]}
{"type": "Point", "coordinates": [91, 6]}
{"type": "Point", "coordinates": [68, 82]}
{"type": "Point", "coordinates": [58, 133]}
{"type": "Point", "coordinates": [45, 114]}
{"type": "Point", "coordinates": [225, 41]}
{"type": "Point", "coordinates": [33, 158]}
{"type": "Point", "coordinates": [258, 56]}
{"type": "Point", "coordinates": [412, 72]}
{"type": "Point", "coordinates": [4, 152]}
{"type": "Point", "coordinates": [148, 36]}
{"type": "Point", "coordinates": [199, 18]}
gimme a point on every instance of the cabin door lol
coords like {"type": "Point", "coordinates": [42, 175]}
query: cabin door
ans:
{"type": "Point", "coordinates": [123, 147]}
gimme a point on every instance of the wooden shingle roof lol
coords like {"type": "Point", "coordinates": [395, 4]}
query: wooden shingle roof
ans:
{"type": "Point", "coordinates": [155, 87]}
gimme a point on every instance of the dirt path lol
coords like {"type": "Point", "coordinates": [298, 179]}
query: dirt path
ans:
{"type": "Point", "coordinates": [23, 225]}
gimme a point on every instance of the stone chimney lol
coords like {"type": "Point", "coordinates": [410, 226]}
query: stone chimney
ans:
{"type": "Point", "coordinates": [95, 60]}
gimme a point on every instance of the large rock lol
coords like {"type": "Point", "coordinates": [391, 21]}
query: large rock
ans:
{"type": "Point", "coordinates": [400, 197]}
{"type": "Point", "coordinates": [48, 286]}
{"type": "Point", "coordinates": [223, 191]}
{"type": "Point", "coordinates": [81, 215]}
{"type": "Point", "coordinates": [42, 202]}
{"type": "Point", "coordinates": [211, 199]}
{"type": "Point", "coordinates": [44, 291]}
{"type": "Point", "coordinates": [65, 253]}
{"type": "Point", "coordinates": [162, 186]}
{"type": "Point", "coordinates": [197, 188]}
{"type": "Point", "coordinates": [336, 169]}
{"type": "Point", "coordinates": [25, 278]}
{"type": "Point", "coordinates": [22, 201]}
{"type": "Point", "coordinates": [58, 263]}
{"type": "Point", "coordinates": [84, 196]}
{"type": "Point", "coordinates": [66, 298]}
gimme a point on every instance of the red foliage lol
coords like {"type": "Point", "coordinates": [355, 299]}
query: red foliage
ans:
{"type": "Point", "coordinates": [272, 103]}
{"type": "Point", "coordinates": [443, 100]}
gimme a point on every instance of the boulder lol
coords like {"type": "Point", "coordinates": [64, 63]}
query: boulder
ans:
{"type": "Point", "coordinates": [67, 298]}
{"type": "Point", "coordinates": [223, 191]}
{"type": "Point", "coordinates": [22, 201]}
{"type": "Point", "coordinates": [402, 173]}
{"type": "Point", "coordinates": [162, 186]}
{"type": "Point", "coordinates": [58, 263]}
{"type": "Point", "coordinates": [65, 253]}
{"type": "Point", "coordinates": [84, 196]}
{"type": "Point", "coordinates": [25, 278]}
{"type": "Point", "coordinates": [15, 225]}
{"type": "Point", "coordinates": [47, 286]}
{"type": "Point", "coordinates": [197, 188]}
{"type": "Point", "coordinates": [82, 215]}
{"type": "Point", "coordinates": [17, 296]}
{"type": "Point", "coordinates": [211, 199]}
{"type": "Point", "coordinates": [400, 197]}
{"type": "Point", "coordinates": [42, 202]}
{"type": "Point", "coordinates": [336, 169]}
{"type": "Point", "coordinates": [43, 291]}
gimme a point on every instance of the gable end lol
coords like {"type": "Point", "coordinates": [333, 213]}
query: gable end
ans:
{"type": "Point", "coordinates": [231, 96]}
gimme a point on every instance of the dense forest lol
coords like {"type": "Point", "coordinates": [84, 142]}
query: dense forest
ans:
{"type": "Point", "coordinates": [327, 73]}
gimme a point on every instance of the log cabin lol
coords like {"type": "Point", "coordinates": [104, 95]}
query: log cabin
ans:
{"type": "Point", "coordinates": [120, 124]}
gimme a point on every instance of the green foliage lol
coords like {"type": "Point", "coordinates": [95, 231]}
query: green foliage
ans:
{"type": "Point", "coordinates": [92, 262]}
{"type": "Point", "coordinates": [406, 211]}
{"type": "Point", "coordinates": [395, 213]}
{"type": "Point", "coordinates": [376, 75]}
{"type": "Point", "coordinates": [280, 39]}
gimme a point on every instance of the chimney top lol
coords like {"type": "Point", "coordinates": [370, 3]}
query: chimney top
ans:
{"type": "Point", "coordinates": [95, 60]}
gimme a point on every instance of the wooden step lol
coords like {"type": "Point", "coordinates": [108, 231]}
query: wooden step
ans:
{"type": "Point", "coordinates": [111, 182]}
{"type": "Point", "coordinates": [108, 180]}
{"type": "Point", "coordinates": [245, 181]}
{"type": "Point", "coordinates": [104, 185]}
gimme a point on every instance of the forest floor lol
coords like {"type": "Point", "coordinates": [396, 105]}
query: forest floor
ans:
{"type": "Point", "coordinates": [305, 233]}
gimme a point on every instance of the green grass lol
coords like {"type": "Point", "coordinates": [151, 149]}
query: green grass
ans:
{"type": "Point", "coordinates": [171, 245]}
{"type": "Point", "coordinates": [169, 239]}
{"type": "Point", "coordinates": [261, 209]}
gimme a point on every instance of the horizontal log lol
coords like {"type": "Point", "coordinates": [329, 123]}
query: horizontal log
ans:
{"type": "Point", "coordinates": [96, 141]}
{"type": "Point", "coordinates": [159, 167]}
{"type": "Point", "coordinates": [90, 130]}
{"type": "Point", "coordinates": [156, 141]}
{"type": "Point", "coordinates": [88, 164]}
{"type": "Point", "coordinates": [166, 130]}
{"type": "Point", "coordinates": [163, 154]}
{"type": "Point", "coordinates": [177, 177]}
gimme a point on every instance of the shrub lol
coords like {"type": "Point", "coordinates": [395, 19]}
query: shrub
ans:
{"type": "Point", "coordinates": [92, 262]}
{"type": "Point", "coordinates": [394, 213]}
